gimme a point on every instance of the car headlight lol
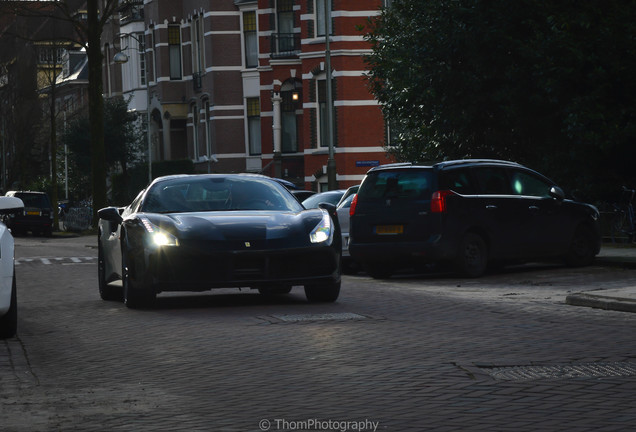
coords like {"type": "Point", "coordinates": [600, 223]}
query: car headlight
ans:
{"type": "Point", "coordinates": [158, 237]}
{"type": "Point", "coordinates": [323, 231]}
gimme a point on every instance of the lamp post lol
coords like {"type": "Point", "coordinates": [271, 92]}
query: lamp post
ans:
{"type": "Point", "coordinates": [331, 161]}
{"type": "Point", "coordinates": [121, 58]}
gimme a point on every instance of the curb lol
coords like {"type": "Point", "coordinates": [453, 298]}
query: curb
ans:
{"type": "Point", "coordinates": [614, 262]}
{"type": "Point", "coordinates": [602, 302]}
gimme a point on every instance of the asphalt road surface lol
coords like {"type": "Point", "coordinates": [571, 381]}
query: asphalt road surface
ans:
{"type": "Point", "coordinates": [412, 353]}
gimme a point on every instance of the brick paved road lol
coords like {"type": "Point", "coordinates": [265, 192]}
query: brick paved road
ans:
{"type": "Point", "coordinates": [413, 353]}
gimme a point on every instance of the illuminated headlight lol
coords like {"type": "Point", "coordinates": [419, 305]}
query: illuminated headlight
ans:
{"type": "Point", "coordinates": [323, 231]}
{"type": "Point", "coordinates": [158, 237]}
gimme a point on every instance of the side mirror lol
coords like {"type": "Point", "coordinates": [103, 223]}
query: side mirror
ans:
{"type": "Point", "coordinates": [557, 193]}
{"type": "Point", "coordinates": [331, 209]}
{"type": "Point", "coordinates": [110, 214]}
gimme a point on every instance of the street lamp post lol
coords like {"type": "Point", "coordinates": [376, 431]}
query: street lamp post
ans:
{"type": "Point", "coordinates": [121, 58]}
{"type": "Point", "coordinates": [331, 161]}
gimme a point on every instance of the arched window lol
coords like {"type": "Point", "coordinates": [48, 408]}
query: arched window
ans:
{"type": "Point", "coordinates": [194, 110]}
{"type": "Point", "coordinates": [208, 130]}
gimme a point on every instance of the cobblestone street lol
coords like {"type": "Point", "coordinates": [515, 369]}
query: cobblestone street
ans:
{"type": "Point", "coordinates": [416, 352]}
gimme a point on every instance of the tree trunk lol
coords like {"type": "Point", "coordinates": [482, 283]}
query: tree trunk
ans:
{"type": "Point", "coordinates": [96, 109]}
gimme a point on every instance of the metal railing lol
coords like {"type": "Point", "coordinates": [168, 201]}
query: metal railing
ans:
{"type": "Point", "coordinates": [285, 45]}
{"type": "Point", "coordinates": [77, 219]}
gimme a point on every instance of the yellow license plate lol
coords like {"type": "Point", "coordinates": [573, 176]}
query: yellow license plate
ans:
{"type": "Point", "coordinates": [389, 229]}
{"type": "Point", "coordinates": [33, 213]}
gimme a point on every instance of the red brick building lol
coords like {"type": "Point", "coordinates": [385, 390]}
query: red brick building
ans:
{"type": "Point", "coordinates": [240, 85]}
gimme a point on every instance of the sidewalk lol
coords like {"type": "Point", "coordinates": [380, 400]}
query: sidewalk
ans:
{"type": "Point", "coordinates": [623, 299]}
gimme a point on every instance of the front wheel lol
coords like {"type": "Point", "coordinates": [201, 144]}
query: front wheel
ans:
{"type": "Point", "coordinates": [323, 293]}
{"type": "Point", "coordinates": [472, 256]}
{"type": "Point", "coordinates": [136, 293]}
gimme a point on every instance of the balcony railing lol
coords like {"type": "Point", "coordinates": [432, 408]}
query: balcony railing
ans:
{"type": "Point", "coordinates": [285, 45]}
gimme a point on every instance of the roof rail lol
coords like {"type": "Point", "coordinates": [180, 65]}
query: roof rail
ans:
{"type": "Point", "coordinates": [469, 161]}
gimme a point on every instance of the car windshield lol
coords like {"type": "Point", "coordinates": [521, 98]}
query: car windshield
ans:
{"type": "Point", "coordinates": [222, 193]}
{"type": "Point", "coordinates": [34, 200]}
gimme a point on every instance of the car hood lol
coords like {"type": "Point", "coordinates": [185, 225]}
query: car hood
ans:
{"type": "Point", "coordinates": [240, 226]}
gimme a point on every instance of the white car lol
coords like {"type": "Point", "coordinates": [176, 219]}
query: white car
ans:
{"type": "Point", "coordinates": [343, 217]}
{"type": "Point", "coordinates": [8, 298]}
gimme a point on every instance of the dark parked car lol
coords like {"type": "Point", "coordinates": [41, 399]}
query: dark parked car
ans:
{"type": "Point", "coordinates": [343, 218]}
{"type": "Point", "coordinates": [467, 212]}
{"type": "Point", "coordinates": [302, 195]}
{"type": "Point", "coordinates": [197, 232]}
{"type": "Point", "coordinates": [37, 216]}
{"type": "Point", "coordinates": [331, 197]}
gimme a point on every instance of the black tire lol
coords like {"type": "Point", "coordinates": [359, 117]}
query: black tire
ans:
{"type": "Point", "coordinates": [9, 322]}
{"type": "Point", "coordinates": [472, 256]}
{"type": "Point", "coordinates": [324, 293]}
{"type": "Point", "coordinates": [136, 294]}
{"type": "Point", "coordinates": [582, 248]}
{"type": "Point", "coordinates": [106, 292]}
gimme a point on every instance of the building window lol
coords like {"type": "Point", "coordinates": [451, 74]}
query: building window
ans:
{"type": "Point", "coordinates": [254, 125]}
{"type": "Point", "coordinates": [142, 58]}
{"type": "Point", "coordinates": [153, 58]}
{"type": "Point", "coordinates": [289, 119]}
{"type": "Point", "coordinates": [320, 17]}
{"type": "Point", "coordinates": [250, 39]}
{"type": "Point", "coordinates": [195, 131]}
{"type": "Point", "coordinates": [208, 130]}
{"type": "Point", "coordinates": [322, 113]}
{"type": "Point", "coordinates": [51, 55]}
{"type": "Point", "coordinates": [198, 59]}
{"type": "Point", "coordinates": [174, 43]}
{"type": "Point", "coordinates": [285, 17]}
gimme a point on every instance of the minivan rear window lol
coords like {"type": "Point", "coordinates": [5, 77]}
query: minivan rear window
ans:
{"type": "Point", "coordinates": [397, 184]}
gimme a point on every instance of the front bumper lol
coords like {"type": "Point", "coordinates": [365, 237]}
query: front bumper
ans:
{"type": "Point", "coordinates": [183, 269]}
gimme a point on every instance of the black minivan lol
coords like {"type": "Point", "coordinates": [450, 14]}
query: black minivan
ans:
{"type": "Point", "coordinates": [469, 213]}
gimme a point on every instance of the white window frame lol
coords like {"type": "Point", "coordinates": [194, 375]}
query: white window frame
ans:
{"type": "Point", "coordinates": [198, 45]}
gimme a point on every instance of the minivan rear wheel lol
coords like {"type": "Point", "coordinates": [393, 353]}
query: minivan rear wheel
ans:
{"type": "Point", "coordinates": [472, 256]}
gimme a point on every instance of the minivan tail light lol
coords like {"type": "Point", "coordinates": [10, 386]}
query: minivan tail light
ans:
{"type": "Point", "coordinates": [354, 203]}
{"type": "Point", "coordinates": [438, 201]}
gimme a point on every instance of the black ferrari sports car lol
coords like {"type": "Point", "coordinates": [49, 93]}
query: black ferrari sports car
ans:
{"type": "Point", "coordinates": [198, 232]}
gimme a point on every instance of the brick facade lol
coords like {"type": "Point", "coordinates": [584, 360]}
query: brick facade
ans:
{"type": "Point", "coordinates": [218, 68]}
